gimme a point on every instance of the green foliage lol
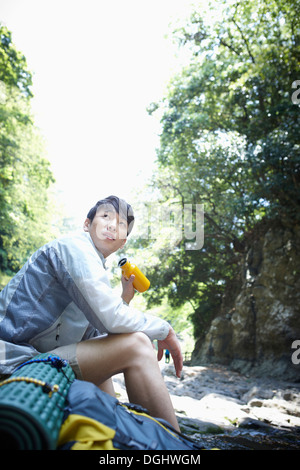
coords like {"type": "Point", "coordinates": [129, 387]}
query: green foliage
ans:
{"type": "Point", "coordinates": [25, 177]}
{"type": "Point", "coordinates": [13, 66]}
{"type": "Point", "coordinates": [230, 141]}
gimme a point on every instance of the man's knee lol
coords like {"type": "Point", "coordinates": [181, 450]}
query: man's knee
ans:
{"type": "Point", "coordinates": [140, 345]}
{"type": "Point", "coordinates": [139, 340]}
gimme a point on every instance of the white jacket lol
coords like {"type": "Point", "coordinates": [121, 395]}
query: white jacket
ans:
{"type": "Point", "coordinates": [62, 295]}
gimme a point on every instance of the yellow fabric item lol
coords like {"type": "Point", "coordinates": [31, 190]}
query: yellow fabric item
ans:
{"type": "Point", "coordinates": [87, 433]}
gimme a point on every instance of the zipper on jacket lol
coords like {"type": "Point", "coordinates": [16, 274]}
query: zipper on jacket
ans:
{"type": "Point", "coordinates": [57, 331]}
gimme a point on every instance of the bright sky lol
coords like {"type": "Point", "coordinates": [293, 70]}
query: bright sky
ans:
{"type": "Point", "coordinates": [96, 66]}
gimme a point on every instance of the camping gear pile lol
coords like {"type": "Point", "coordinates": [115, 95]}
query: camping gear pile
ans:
{"type": "Point", "coordinates": [43, 406]}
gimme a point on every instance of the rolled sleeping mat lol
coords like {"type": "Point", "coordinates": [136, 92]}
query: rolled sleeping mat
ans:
{"type": "Point", "coordinates": [32, 402]}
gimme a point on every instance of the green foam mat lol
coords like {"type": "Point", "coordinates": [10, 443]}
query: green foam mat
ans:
{"type": "Point", "coordinates": [32, 401]}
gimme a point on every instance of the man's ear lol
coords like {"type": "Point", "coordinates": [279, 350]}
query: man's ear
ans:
{"type": "Point", "coordinates": [86, 225]}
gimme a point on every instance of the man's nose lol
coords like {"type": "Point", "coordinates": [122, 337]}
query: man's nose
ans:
{"type": "Point", "coordinates": [112, 224]}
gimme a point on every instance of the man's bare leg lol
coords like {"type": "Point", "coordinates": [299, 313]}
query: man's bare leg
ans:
{"type": "Point", "coordinates": [132, 354]}
{"type": "Point", "coordinates": [108, 387]}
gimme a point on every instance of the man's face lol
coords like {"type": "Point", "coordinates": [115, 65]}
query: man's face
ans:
{"type": "Point", "coordinates": [108, 230]}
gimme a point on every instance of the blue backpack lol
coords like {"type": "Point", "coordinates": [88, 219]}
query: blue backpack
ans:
{"type": "Point", "coordinates": [94, 420]}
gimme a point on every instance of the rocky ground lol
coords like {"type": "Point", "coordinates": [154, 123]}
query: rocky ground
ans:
{"type": "Point", "coordinates": [226, 410]}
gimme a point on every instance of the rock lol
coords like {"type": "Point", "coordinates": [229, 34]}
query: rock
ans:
{"type": "Point", "coordinates": [255, 333]}
{"type": "Point", "coordinates": [227, 410]}
{"type": "Point", "coordinates": [255, 402]}
{"type": "Point", "coordinates": [258, 392]}
{"type": "Point", "coordinates": [251, 423]}
{"type": "Point", "coordinates": [191, 426]}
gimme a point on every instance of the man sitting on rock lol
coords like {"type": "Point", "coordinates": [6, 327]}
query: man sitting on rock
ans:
{"type": "Point", "coordinates": [61, 302]}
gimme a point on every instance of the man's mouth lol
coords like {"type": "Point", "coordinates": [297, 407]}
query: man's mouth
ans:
{"type": "Point", "coordinates": [109, 236]}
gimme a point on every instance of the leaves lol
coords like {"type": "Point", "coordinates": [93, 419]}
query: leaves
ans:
{"type": "Point", "coordinates": [229, 140]}
{"type": "Point", "coordinates": [13, 66]}
{"type": "Point", "coordinates": [25, 176]}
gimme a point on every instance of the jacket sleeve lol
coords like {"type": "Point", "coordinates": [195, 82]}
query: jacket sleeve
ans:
{"type": "Point", "coordinates": [81, 271]}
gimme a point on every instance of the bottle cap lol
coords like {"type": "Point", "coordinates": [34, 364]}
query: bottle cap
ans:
{"type": "Point", "coordinates": [122, 262]}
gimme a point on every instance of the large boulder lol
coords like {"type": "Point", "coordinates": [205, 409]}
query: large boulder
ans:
{"type": "Point", "coordinates": [257, 331]}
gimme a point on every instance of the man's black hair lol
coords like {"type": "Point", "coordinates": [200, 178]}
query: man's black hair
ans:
{"type": "Point", "coordinates": [122, 208]}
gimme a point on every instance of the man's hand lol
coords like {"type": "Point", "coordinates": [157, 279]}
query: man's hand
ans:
{"type": "Point", "coordinates": [128, 289]}
{"type": "Point", "coordinates": [172, 344]}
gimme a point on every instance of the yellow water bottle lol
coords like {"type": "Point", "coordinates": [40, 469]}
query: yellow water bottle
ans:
{"type": "Point", "coordinates": [140, 283]}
